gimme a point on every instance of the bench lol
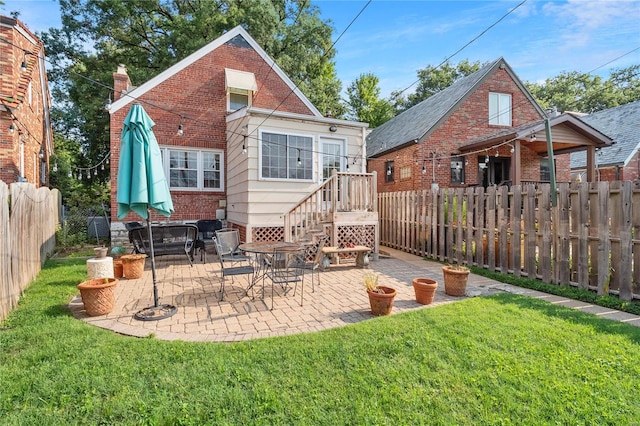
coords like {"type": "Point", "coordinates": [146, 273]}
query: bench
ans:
{"type": "Point", "coordinates": [167, 240]}
{"type": "Point", "coordinates": [362, 258]}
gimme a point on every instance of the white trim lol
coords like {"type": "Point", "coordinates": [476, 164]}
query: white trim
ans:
{"type": "Point", "coordinates": [199, 54]}
{"type": "Point", "coordinates": [294, 116]}
{"type": "Point", "coordinates": [199, 167]}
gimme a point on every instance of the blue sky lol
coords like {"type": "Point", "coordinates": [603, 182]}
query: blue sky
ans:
{"type": "Point", "coordinates": [393, 39]}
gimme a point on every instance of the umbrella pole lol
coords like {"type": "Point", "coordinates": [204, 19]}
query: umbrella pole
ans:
{"type": "Point", "coordinates": [153, 260]}
{"type": "Point", "coordinates": [155, 312]}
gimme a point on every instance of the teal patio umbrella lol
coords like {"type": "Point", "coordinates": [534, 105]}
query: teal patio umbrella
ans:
{"type": "Point", "coordinates": [142, 186]}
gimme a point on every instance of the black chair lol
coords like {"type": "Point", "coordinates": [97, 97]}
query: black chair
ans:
{"type": "Point", "coordinates": [206, 232]}
{"type": "Point", "coordinates": [227, 249]}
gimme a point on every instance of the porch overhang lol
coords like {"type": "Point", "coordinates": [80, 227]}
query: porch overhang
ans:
{"type": "Point", "coordinates": [568, 134]}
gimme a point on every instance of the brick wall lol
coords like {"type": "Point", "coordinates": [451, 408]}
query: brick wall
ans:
{"type": "Point", "coordinates": [198, 93]}
{"type": "Point", "coordinates": [27, 112]}
{"type": "Point", "coordinates": [468, 122]}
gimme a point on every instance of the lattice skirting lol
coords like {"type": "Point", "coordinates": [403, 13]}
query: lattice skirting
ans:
{"type": "Point", "coordinates": [363, 235]}
{"type": "Point", "coordinates": [267, 233]}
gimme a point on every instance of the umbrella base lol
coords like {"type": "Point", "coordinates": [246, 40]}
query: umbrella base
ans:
{"type": "Point", "coordinates": [154, 313]}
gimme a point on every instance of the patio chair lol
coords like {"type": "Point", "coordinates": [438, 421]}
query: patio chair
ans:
{"type": "Point", "coordinates": [227, 242]}
{"type": "Point", "coordinates": [228, 262]}
{"type": "Point", "coordinates": [286, 268]}
{"type": "Point", "coordinates": [312, 260]}
{"type": "Point", "coordinates": [206, 232]}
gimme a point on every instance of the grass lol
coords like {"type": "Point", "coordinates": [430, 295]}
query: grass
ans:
{"type": "Point", "coordinates": [500, 360]}
{"type": "Point", "coordinates": [583, 295]}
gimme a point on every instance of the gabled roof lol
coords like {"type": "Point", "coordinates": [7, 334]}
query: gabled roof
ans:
{"type": "Point", "coordinates": [622, 124]}
{"type": "Point", "coordinates": [540, 145]}
{"type": "Point", "coordinates": [225, 38]}
{"type": "Point", "coordinates": [417, 123]}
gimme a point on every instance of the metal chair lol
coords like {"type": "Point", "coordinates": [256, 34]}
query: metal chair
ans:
{"type": "Point", "coordinates": [286, 267]}
{"type": "Point", "coordinates": [206, 231]}
{"type": "Point", "coordinates": [227, 243]}
{"type": "Point", "coordinates": [228, 257]}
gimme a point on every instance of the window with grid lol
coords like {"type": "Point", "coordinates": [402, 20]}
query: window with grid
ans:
{"type": "Point", "coordinates": [286, 157]}
{"type": "Point", "coordinates": [500, 109]}
{"type": "Point", "coordinates": [194, 169]}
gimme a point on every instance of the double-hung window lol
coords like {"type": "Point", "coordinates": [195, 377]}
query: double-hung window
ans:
{"type": "Point", "coordinates": [194, 169]}
{"type": "Point", "coordinates": [499, 109]}
{"type": "Point", "coordinates": [286, 156]}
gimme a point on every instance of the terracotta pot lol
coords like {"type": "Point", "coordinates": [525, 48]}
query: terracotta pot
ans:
{"type": "Point", "coordinates": [455, 280]}
{"type": "Point", "coordinates": [425, 290]}
{"type": "Point", "coordinates": [381, 303]}
{"type": "Point", "coordinates": [118, 268]}
{"type": "Point", "coordinates": [133, 265]}
{"type": "Point", "coordinates": [97, 295]}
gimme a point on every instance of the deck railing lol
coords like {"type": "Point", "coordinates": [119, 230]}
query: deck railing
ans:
{"type": "Point", "coordinates": [342, 192]}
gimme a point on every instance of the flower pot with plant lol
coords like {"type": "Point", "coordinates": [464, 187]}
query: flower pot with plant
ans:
{"type": "Point", "coordinates": [133, 265]}
{"type": "Point", "coordinates": [380, 297]}
{"type": "Point", "coordinates": [98, 295]}
{"type": "Point", "coordinates": [425, 290]}
{"type": "Point", "coordinates": [455, 279]}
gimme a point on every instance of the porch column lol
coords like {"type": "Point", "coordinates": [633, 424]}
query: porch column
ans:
{"type": "Point", "coordinates": [591, 163]}
{"type": "Point", "coordinates": [516, 168]}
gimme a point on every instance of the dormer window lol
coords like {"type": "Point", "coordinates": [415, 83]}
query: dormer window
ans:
{"type": "Point", "coordinates": [240, 86]}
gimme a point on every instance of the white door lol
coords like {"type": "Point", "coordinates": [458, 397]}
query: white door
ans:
{"type": "Point", "coordinates": [333, 156]}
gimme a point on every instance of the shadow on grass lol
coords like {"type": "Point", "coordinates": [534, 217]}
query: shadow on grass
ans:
{"type": "Point", "coordinates": [600, 324]}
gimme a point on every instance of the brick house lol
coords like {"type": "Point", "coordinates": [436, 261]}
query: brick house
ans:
{"type": "Point", "coordinates": [238, 138]}
{"type": "Point", "coordinates": [26, 138]}
{"type": "Point", "coordinates": [621, 160]}
{"type": "Point", "coordinates": [485, 129]}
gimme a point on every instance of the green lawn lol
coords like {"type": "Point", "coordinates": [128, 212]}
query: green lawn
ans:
{"type": "Point", "coordinates": [500, 360]}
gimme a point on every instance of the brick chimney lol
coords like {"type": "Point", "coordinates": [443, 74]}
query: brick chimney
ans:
{"type": "Point", "coordinates": [121, 82]}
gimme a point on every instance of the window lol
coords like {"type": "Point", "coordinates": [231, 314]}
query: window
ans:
{"type": "Point", "coordinates": [389, 169]}
{"type": "Point", "coordinates": [499, 109]}
{"type": "Point", "coordinates": [287, 156]}
{"type": "Point", "coordinates": [238, 99]}
{"type": "Point", "coordinates": [405, 172]}
{"type": "Point", "coordinates": [457, 171]}
{"type": "Point", "coordinates": [240, 86]}
{"type": "Point", "coordinates": [545, 170]}
{"type": "Point", "coordinates": [194, 169]}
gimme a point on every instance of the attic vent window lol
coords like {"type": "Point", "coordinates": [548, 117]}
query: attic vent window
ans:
{"type": "Point", "coordinates": [240, 87]}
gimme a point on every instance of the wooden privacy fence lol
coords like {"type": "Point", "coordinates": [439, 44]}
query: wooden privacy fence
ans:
{"type": "Point", "coordinates": [28, 220]}
{"type": "Point", "coordinates": [590, 239]}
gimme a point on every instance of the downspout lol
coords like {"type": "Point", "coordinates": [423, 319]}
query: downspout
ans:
{"type": "Point", "coordinates": [552, 164]}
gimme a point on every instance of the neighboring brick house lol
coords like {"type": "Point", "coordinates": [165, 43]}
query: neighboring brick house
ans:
{"type": "Point", "coordinates": [621, 160]}
{"type": "Point", "coordinates": [26, 140]}
{"type": "Point", "coordinates": [485, 129]}
{"type": "Point", "coordinates": [249, 145]}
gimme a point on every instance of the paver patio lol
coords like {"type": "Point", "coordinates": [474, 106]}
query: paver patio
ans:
{"type": "Point", "coordinates": [339, 300]}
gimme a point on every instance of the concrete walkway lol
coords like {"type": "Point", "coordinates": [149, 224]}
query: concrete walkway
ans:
{"type": "Point", "coordinates": [339, 300]}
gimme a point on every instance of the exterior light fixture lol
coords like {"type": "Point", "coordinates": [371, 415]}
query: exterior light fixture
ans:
{"type": "Point", "coordinates": [299, 160]}
{"type": "Point", "coordinates": [333, 129]}
{"type": "Point", "coordinates": [23, 66]}
{"type": "Point", "coordinates": [533, 137]}
{"type": "Point", "coordinates": [107, 103]}
{"type": "Point", "coordinates": [41, 155]}
{"type": "Point", "coordinates": [424, 168]}
{"type": "Point", "coordinates": [513, 149]}
{"type": "Point", "coordinates": [55, 166]}
{"type": "Point", "coordinates": [389, 171]}
{"type": "Point", "coordinates": [496, 153]}
{"type": "Point", "coordinates": [12, 128]}
{"type": "Point", "coordinates": [180, 131]}
{"type": "Point", "coordinates": [486, 158]}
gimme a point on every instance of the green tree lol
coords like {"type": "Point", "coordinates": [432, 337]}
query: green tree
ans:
{"type": "Point", "coordinates": [152, 35]}
{"type": "Point", "coordinates": [432, 80]}
{"type": "Point", "coordinates": [364, 103]}
{"type": "Point", "coordinates": [576, 91]}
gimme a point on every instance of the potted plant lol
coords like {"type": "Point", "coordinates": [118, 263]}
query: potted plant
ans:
{"type": "Point", "coordinates": [455, 279]}
{"type": "Point", "coordinates": [425, 290]}
{"type": "Point", "coordinates": [380, 297]}
{"type": "Point", "coordinates": [118, 268]}
{"type": "Point", "coordinates": [133, 265]}
{"type": "Point", "coordinates": [100, 252]}
{"type": "Point", "coordinates": [97, 295]}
